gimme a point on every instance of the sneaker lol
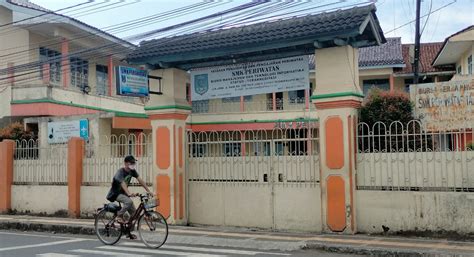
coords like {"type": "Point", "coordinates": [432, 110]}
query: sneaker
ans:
{"type": "Point", "coordinates": [132, 236]}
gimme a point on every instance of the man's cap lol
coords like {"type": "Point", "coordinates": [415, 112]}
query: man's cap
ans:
{"type": "Point", "coordinates": [130, 159]}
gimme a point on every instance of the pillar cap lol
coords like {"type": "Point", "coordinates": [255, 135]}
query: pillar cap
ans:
{"type": "Point", "coordinates": [338, 100]}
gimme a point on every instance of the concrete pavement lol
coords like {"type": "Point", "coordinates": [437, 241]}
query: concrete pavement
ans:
{"type": "Point", "coordinates": [263, 240]}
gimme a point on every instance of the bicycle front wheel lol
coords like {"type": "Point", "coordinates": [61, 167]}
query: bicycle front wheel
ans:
{"type": "Point", "coordinates": [153, 229]}
{"type": "Point", "coordinates": [107, 229]}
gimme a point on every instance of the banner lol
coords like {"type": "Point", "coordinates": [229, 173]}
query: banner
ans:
{"type": "Point", "coordinates": [445, 105]}
{"type": "Point", "coordinates": [61, 131]}
{"type": "Point", "coordinates": [131, 81]}
{"type": "Point", "coordinates": [254, 78]}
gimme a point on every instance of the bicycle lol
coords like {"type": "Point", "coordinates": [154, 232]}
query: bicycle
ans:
{"type": "Point", "coordinates": [152, 226]}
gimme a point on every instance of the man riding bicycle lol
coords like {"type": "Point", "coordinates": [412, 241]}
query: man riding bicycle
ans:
{"type": "Point", "coordinates": [119, 191]}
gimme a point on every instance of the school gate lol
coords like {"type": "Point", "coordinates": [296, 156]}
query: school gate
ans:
{"type": "Point", "coordinates": [265, 179]}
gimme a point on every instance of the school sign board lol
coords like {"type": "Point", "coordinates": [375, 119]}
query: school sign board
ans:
{"type": "Point", "coordinates": [444, 105]}
{"type": "Point", "coordinates": [131, 81]}
{"type": "Point", "coordinates": [61, 131]}
{"type": "Point", "coordinates": [278, 75]}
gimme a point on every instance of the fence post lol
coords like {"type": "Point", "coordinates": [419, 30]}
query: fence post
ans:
{"type": "Point", "coordinates": [75, 156]}
{"type": "Point", "coordinates": [6, 174]}
{"type": "Point", "coordinates": [337, 97]}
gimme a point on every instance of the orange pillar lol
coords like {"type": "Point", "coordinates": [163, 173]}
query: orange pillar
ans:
{"type": "Point", "coordinates": [392, 83]}
{"type": "Point", "coordinates": [65, 62]}
{"type": "Point", "coordinates": [241, 103]}
{"type": "Point", "coordinates": [74, 178]}
{"type": "Point", "coordinates": [274, 101]}
{"type": "Point", "coordinates": [11, 73]}
{"type": "Point", "coordinates": [6, 174]}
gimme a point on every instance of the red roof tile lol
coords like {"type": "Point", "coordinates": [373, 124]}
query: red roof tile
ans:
{"type": "Point", "coordinates": [428, 52]}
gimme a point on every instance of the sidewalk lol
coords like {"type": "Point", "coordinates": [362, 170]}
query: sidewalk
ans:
{"type": "Point", "coordinates": [265, 240]}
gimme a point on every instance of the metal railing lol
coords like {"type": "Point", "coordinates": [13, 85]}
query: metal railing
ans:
{"type": "Point", "coordinates": [284, 156]}
{"type": "Point", "coordinates": [408, 157]}
{"type": "Point", "coordinates": [38, 165]}
{"type": "Point", "coordinates": [107, 157]}
{"type": "Point", "coordinates": [216, 106]}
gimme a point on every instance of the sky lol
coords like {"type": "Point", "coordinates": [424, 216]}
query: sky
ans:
{"type": "Point", "coordinates": [452, 16]}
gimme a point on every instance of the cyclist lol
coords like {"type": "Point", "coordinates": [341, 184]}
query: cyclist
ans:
{"type": "Point", "coordinates": [119, 191]}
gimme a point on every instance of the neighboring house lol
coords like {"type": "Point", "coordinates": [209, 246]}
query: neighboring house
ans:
{"type": "Point", "coordinates": [457, 50]}
{"type": "Point", "coordinates": [427, 72]}
{"type": "Point", "coordinates": [54, 67]}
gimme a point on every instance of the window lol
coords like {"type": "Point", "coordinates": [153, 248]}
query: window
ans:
{"type": "Point", "coordinates": [198, 150]}
{"type": "Point", "coordinates": [247, 98]}
{"type": "Point", "coordinates": [232, 149]}
{"type": "Point", "coordinates": [188, 92]}
{"type": "Point", "coordinates": [53, 58]}
{"type": "Point", "coordinates": [469, 65]}
{"type": "Point", "coordinates": [408, 82]}
{"type": "Point", "coordinates": [296, 97]}
{"type": "Point", "coordinates": [200, 106]}
{"type": "Point", "coordinates": [279, 101]}
{"type": "Point", "coordinates": [459, 70]}
{"type": "Point", "coordinates": [102, 77]}
{"type": "Point", "coordinates": [382, 84]}
{"type": "Point", "coordinates": [79, 72]}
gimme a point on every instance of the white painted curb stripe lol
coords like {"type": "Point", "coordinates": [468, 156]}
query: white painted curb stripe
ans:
{"type": "Point", "coordinates": [41, 245]}
{"type": "Point", "coordinates": [117, 254]}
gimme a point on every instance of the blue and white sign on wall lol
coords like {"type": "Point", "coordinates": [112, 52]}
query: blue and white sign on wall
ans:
{"type": "Point", "coordinates": [131, 81]}
{"type": "Point", "coordinates": [61, 131]}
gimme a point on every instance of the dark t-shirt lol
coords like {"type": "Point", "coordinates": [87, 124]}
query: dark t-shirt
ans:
{"type": "Point", "coordinates": [120, 176]}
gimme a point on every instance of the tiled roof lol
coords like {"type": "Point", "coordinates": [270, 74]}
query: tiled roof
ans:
{"type": "Point", "coordinates": [388, 54]}
{"type": "Point", "coordinates": [447, 39]}
{"type": "Point", "coordinates": [385, 55]}
{"type": "Point", "coordinates": [428, 52]}
{"type": "Point", "coordinates": [30, 5]}
{"type": "Point", "coordinates": [326, 26]}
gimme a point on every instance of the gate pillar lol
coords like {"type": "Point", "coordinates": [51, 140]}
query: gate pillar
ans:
{"type": "Point", "coordinates": [337, 97]}
{"type": "Point", "coordinates": [168, 113]}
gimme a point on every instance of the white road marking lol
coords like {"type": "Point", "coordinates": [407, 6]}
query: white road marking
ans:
{"type": "Point", "coordinates": [56, 255]}
{"type": "Point", "coordinates": [202, 249]}
{"type": "Point", "coordinates": [41, 245]}
{"type": "Point", "coordinates": [37, 235]}
{"type": "Point", "coordinates": [156, 251]}
{"type": "Point", "coordinates": [117, 254]}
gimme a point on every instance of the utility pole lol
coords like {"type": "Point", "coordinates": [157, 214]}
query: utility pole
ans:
{"type": "Point", "coordinates": [417, 43]}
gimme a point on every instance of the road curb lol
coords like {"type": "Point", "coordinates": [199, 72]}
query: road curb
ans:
{"type": "Point", "coordinates": [360, 250]}
{"type": "Point", "coordinates": [55, 228]}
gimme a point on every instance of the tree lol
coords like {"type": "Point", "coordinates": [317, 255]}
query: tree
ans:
{"type": "Point", "coordinates": [15, 131]}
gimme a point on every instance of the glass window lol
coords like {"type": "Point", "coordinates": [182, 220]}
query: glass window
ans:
{"type": "Point", "coordinates": [102, 76]}
{"type": "Point", "coordinates": [232, 149]}
{"type": "Point", "coordinates": [469, 65]}
{"type": "Point", "coordinates": [296, 97]}
{"type": "Point", "coordinates": [459, 70]}
{"type": "Point", "coordinates": [200, 106]}
{"type": "Point", "coordinates": [247, 98]}
{"type": "Point", "coordinates": [382, 84]}
{"type": "Point", "coordinates": [408, 82]}
{"type": "Point", "coordinates": [79, 72]}
{"type": "Point", "coordinates": [53, 58]}
{"type": "Point", "coordinates": [279, 101]}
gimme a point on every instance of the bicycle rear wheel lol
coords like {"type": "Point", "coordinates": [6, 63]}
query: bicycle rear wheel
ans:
{"type": "Point", "coordinates": [107, 229]}
{"type": "Point", "coordinates": [153, 229]}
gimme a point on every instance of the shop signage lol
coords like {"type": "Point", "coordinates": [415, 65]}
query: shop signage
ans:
{"type": "Point", "coordinates": [445, 105]}
{"type": "Point", "coordinates": [294, 124]}
{"type": "Point", "coordinates": [131, 81]}
{"type": "Point", "coordinates": [253, 78]}
{"type": "Point", "coordinates": [61, 131]}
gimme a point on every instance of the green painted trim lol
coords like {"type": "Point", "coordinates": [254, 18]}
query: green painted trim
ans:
{"type": "Point", "coordinates": [165, 107]}
{"type": "Point", "coordinates": [117, 113]}
{"type": "Point", "coordinates": [341, 94]}
{"type": "Point", "coordinates": [250, 121]}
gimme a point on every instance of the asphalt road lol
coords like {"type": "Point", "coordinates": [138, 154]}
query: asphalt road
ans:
{"type": "Point", "coordinates": [21, 244]}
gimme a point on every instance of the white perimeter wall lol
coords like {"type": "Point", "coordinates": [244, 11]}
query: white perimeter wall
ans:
{"type": "Point", "coordinates": [35, 198]}
{"type": "Point", "coordinates": [410, 211]}
{"type": "Point", "coordinates": [244, 205]}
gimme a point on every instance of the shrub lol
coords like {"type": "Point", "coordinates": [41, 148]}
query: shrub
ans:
{"type": "Point", "coordinates": [386, 107]}
{"type": "Point", "coordinates": [470, 146]}
{"type": "Point", "coordinates": [15, 131]}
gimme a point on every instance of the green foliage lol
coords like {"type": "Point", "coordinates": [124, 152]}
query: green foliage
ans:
{"type": "Point", "coordinates": [470, 146]}
{"type": "Point", "coordinates": [386, 107]}
{"type": "Point", "coordinates": [15, 131]}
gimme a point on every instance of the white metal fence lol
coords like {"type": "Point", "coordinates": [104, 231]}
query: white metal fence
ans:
{"type": "Point", "coordinates": [39, 165]}
{"type": "Point", "coordinates": [407, 157]}
{"type": "Point", "coordinates": [282, 156]}
{"type": "Point", "coordinates": [107, 157]}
